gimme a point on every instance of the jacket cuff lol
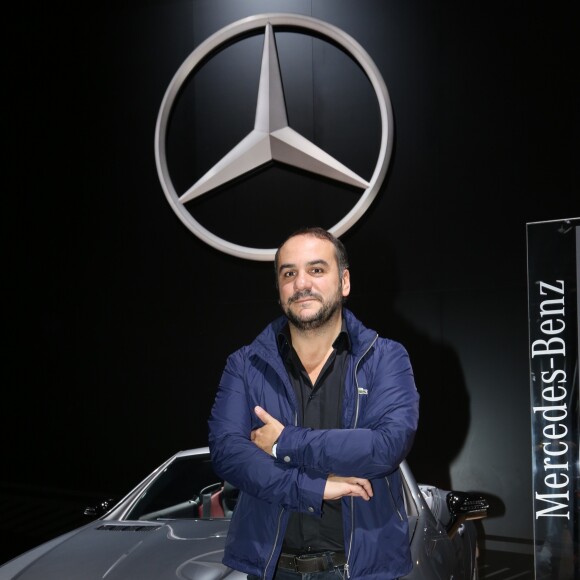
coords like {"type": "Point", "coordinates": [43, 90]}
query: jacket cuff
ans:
{"type": "Point", "coordinates": [285, 452]}
{"type": "Point", "coordinates": [312, 484]}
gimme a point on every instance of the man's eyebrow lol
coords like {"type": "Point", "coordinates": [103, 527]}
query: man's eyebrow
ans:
{"type": "Point", "coordinates": [318, 262]}
{"type": "Point", "coordinates": [285, 266]}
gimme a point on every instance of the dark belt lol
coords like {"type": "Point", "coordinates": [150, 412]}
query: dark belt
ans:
{"type": "Point", "coordinates": [309, 563]}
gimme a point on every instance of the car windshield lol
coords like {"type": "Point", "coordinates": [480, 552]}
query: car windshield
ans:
{"type": "Point", "coordinates": [186, 488]}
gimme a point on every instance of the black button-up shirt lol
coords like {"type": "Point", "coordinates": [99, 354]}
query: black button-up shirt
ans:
{"type": "Point", "coordinates": [320, 408]}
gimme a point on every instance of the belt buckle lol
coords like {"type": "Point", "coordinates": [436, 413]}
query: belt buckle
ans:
{"type": "Point", "coordinates": [306, 563]}
{"type": "Point", "coordinates": [314, 563]}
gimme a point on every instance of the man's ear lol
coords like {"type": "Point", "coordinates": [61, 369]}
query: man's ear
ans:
{"type": "Point", "coordinates": [345, 283]}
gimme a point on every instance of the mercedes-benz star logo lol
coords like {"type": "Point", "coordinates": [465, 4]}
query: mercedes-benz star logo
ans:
{"type": "Point", "coordinates": [272, 139]}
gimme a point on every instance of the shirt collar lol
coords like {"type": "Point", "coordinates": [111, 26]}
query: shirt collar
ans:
{"type": "Point", "coordinates": [341, 342]}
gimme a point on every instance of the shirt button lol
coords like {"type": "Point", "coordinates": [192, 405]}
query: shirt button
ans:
{"type": "Point", "coordinates": [287, 458]}
{"type": "Point", "coordinates": [310, 509]}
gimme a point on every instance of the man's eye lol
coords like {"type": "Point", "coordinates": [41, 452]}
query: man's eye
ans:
{"type": "Point", "coordinates": [317, 271]}
{"type": "Point", "coordinates": [288, 274]}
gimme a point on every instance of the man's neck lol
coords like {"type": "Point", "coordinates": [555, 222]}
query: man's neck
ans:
{"type": "Point", "coordinates": [314, 345]}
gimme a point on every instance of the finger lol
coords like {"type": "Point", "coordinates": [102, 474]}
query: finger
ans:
{"type": "Point", "coordinates": [262, 414]}
{"type": "Point", "coordinates": [360, 491]}
{"type": "Point", "coordinates": [366, 484]}
{"type": "Point", "coordinates": [253, 435]}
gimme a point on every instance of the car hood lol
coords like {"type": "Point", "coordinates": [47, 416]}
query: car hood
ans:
{"type": "Point", "coordinates": [114, 550]}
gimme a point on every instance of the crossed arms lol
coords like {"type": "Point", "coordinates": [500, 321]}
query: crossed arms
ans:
{"type": "Point", "coordinates": [311, 464]}
{"type": "Point", "coordinates": [336, 486]}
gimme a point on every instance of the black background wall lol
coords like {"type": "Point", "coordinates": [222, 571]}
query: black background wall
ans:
{"type": "Point", "coordinates": [117, 320]}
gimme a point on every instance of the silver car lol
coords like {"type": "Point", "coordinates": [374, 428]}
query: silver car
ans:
{"type": "Point", "coordinates": [174, 523]}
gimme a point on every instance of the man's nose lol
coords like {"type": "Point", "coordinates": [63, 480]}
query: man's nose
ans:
{"type": "Point", "coordinates": [302, 281]}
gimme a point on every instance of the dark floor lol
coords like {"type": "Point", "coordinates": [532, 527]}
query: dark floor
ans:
{"type": "Point", "coordinates": [27, 520]}
{"type": "Point", "coordinates": [498, 565]}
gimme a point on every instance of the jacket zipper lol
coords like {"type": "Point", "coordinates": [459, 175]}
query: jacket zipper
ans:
{"type": "Point", "coordinates": [279, 520]}
{"type": "Point", "coordinates": [359, 391]}
{"type": "Point", "coordinates": [275, 544]}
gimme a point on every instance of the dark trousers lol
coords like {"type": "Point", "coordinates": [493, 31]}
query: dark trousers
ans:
{"type": "Point", "coordinates": [282, 574]}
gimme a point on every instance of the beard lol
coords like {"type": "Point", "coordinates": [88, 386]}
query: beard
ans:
{"type": "Point", "coordinates": [317, 319]}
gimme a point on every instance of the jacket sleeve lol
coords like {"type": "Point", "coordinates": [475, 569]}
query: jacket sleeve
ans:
{"type": "Point", "coordinates": [385, 426]}
{"type": "Point", "coordinates": [240, 462]}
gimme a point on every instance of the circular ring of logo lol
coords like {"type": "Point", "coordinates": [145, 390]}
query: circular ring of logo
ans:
{"type": "Point", "coordinates": [223, 36]}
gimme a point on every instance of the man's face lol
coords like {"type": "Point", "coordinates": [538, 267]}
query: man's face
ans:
{"type": "Point", "coordinates": [311, 292]}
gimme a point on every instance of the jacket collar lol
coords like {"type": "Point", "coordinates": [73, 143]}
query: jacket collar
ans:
{"type": "Point", "coordinates": [360, 336]}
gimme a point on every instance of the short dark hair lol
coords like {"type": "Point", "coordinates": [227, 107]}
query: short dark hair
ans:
{"type": "Point", "coordinates": [322, 234]}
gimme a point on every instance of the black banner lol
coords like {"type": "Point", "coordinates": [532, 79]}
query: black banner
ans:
{"type": "Point", "coordinates": [553, 250]}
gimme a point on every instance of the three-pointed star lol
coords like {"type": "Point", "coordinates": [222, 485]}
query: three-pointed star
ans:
{"type": "Point", "coordinates": [272, 139]}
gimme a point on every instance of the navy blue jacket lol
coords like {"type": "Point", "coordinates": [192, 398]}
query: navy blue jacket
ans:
{"type": "Point", "coordinates": [379, 421]}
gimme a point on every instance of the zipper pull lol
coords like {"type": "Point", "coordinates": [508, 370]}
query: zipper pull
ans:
{"type": "Point", "coordinates": [362, 391]}
{"type": "Point", "coordinates": [346, 570]}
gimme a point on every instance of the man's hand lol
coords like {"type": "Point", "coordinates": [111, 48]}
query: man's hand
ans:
{"type": "Point", "coordinates": [266, 436]}
{"type": "Point", "coordinates": [337, 487]}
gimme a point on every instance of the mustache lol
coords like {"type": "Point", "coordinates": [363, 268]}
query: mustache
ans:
{"type": "Point", "coordinates": [303, 294]}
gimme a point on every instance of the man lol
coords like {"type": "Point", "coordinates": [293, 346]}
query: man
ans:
{"type": "Point", "coordinates": [311, 422]}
